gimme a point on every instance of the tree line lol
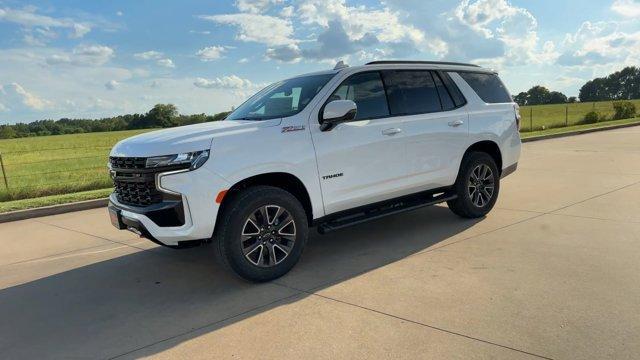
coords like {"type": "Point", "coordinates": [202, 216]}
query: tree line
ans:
{"type": "Point", "coordinates": [160, 116]}
{"type": "Point", "coordinates": [621, 85]}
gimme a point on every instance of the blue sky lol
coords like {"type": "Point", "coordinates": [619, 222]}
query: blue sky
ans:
{"type": "Point", "coordinates": [101, 58]}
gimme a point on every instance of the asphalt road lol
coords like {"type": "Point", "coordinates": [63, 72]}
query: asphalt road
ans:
{"type": "Point", "coordinates": [552, 272]}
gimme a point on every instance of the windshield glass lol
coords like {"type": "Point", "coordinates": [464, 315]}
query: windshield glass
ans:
{"type": "Point", "coordinates": [282, 99]}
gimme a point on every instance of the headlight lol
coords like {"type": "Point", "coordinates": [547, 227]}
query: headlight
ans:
{"type": "Point", "coordinates": [192, 160]}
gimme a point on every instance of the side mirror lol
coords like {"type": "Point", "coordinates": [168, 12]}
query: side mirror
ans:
{"type": "Point", "coordinates": [336, 112]}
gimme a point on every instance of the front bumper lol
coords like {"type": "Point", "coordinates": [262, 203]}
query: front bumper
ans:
{"type": "Point", "coordinates": [161, 222]}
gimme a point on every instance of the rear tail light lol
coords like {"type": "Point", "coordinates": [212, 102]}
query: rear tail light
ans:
{"type": "Point", "coordinates": [516, 109]}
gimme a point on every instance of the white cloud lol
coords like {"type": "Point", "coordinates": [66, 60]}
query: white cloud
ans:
{"type": "Point", "coordinates": [226, 82]}
{"type": "Point", "coordinates": [514, 27]}
{"type": "Point", "coordinates": [93, 54]}
{"type": "Point", "coordinates": [627, 8]}
{"type": "Point", "coordinates": [563, 82]}
{"type": "Point", "coordinates": [79, 91]}
{"type": "Point", "coordinates": [211, 53]}
{"type": "Point", "coordinates": [160, 58]}
{"type": "Point", "coordinates": [232, 85]}
{"type": "Point", "coordinates": [602, 44]}
{"type": "Point", "coordinates": [243, 60]}
{"type": "Point", "coordinates": [358, 21]}
{"type": "Point", "coordinates": [287, 11]}
{"type": "Point", "coordinates": [28, 18]}
{"type": "Point", "coordinates": [344, 29]}
{"type": "Point", "coordinates": [256, 6]}
{"type": "Point", "coordinates": [287, 53]}
{"type": "Point", "coordinates": [265, 29]}
{"type": "Point", "coordinates": [111, 85]}
{"type": "Point", "coordinates": [119, 13]}
{"type": "Point", "coordinates": [148, 55]}
{"type": "Point", "coordinates": [479, 15]}
{"type": "Point", "coordinates": [15, 94]}
{"type": "Point", "coordinates": [168, 63]}
{"type": "Point", "coordinates": [87, 55]}
{"type": "Point", "coordinates": [80, 30]}
{"type": "Point", "coordinates": [32, 40]}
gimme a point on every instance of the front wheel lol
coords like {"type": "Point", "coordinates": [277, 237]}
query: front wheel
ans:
{"type": "Point", "coordinates": [263, 232]}
{"type": "Point", "coordinates": [477, 186]}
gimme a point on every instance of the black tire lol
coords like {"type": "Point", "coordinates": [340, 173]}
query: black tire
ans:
{"type": "Point", "coordinates": [244, 214]}
{"type": "Point", "coordinates": [470, 204]}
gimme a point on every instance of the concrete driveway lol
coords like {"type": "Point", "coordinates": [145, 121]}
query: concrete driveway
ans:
{"type": "Point", "coordinates": [552, 272]}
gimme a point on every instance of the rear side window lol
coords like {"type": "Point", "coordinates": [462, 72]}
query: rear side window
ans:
{"type": "Point", "coordinates": [367, 91]}
{"type": "Point", "coordinates": [488, 86]}
{"type": "Point", "coordinates": [411, 92]}
{"type": "Point", "coordinates": [445, 97]}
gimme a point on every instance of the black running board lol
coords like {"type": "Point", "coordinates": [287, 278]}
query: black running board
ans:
{"type": "Point", "coordinates": [379, 210]}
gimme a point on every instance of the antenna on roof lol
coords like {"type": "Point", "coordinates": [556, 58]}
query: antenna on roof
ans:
{"type": "Point", "coordinates": [340, 65]}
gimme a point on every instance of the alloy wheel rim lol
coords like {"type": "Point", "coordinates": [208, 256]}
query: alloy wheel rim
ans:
{"type": "Point", "coordinates": [268, 235]}
{"type": "Point", "coordinates": [481, 185]}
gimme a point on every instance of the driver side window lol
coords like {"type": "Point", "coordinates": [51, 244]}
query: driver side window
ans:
{"type": "Point", "coordinates": [367, 91]}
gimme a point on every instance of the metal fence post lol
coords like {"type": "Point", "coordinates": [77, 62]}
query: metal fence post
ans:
{"type": "Point", "coordinates": [4, 173]}
{"type": "Point", "coordinates": [531, 118]}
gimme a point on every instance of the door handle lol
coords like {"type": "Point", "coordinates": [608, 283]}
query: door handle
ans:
{"type": "Point", "coordinates": [456, 123]}
{"type": "Point", "coordinates": [391, 131]}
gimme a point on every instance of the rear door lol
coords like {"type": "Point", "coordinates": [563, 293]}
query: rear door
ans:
{"type": "Point", "coordinates": [434, 123]}
{"type": "Point", "coordinates": [362, 161]}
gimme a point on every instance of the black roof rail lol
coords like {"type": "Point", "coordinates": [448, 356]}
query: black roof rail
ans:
{"type": "Point", "coordinates": [387, 62]}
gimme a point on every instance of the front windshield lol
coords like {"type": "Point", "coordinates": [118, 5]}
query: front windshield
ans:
{"type": "Point", "coordinates": [282, 99]}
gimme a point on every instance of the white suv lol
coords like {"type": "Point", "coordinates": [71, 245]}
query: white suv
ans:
{"type": "Point", "coordinates": [326, 150]}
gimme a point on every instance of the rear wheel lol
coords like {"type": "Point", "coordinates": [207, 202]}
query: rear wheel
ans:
{"type": "Point", "coordinates": [477, 186]}
{"type": "Point", "coordinates": [263, 232]}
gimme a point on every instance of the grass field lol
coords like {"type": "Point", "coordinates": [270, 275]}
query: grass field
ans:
{"type": "Point", "coordinates": [66, 164]}
{"type": "Point", "coordinates": [559, 115]}
{"type": "Point", "coordinates": [47, 165]}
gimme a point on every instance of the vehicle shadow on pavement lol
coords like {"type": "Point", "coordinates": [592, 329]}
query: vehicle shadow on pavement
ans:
{"type": "Point", "coordinates": [164, 297]}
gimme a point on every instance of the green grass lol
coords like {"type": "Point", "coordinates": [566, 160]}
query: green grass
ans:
{"type": "Point", "coordinates": [40, 170]}
{"type": "Point", "coordinates": [574, 128]}
{"type": "Point", "coordinates": [559, 115]}
{"type": "Point", "coordinates": [60, 164]}
{"type": "Point", "coordinates": [53, 200]}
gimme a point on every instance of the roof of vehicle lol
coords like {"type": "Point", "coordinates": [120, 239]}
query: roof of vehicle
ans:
{"type": "Point", "coordinates": [386, 62]}
{"type": "Point", "coordinates": [413, 64]}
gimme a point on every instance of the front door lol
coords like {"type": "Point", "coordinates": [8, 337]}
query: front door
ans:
{"type": "Point", "coordinates": [362, 161]}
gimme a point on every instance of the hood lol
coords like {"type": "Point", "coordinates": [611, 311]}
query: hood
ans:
{"type": "Point", "coordinates": [184, 138]}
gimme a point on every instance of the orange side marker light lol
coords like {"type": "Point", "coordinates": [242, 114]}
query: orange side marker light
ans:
{"type": "Point", "coordinates": [220, 196]}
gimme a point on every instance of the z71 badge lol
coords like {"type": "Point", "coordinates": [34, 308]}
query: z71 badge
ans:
{"type": "Point", "coordinates": [286, 129]}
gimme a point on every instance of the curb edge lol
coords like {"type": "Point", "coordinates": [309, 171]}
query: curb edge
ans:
{"type": "Point", "coordinates": [53, 210]}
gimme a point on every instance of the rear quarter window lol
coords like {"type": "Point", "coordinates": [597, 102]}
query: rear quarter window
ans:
{"type": "Point", "coordinates": [488, 86]}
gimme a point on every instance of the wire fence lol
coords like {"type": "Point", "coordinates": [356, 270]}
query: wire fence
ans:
{"type": "Point", "coordinates": [34, 167]}
{"type": "Point", "coordinates": [35, 178]}
{"type": "Point", "coordinates": [541, 117]}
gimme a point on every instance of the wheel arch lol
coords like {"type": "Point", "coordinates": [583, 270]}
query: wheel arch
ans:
{"type": "Point", "coordinates": [488, 147]}
{"type": "Point", "coordinates": [282, 180]}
